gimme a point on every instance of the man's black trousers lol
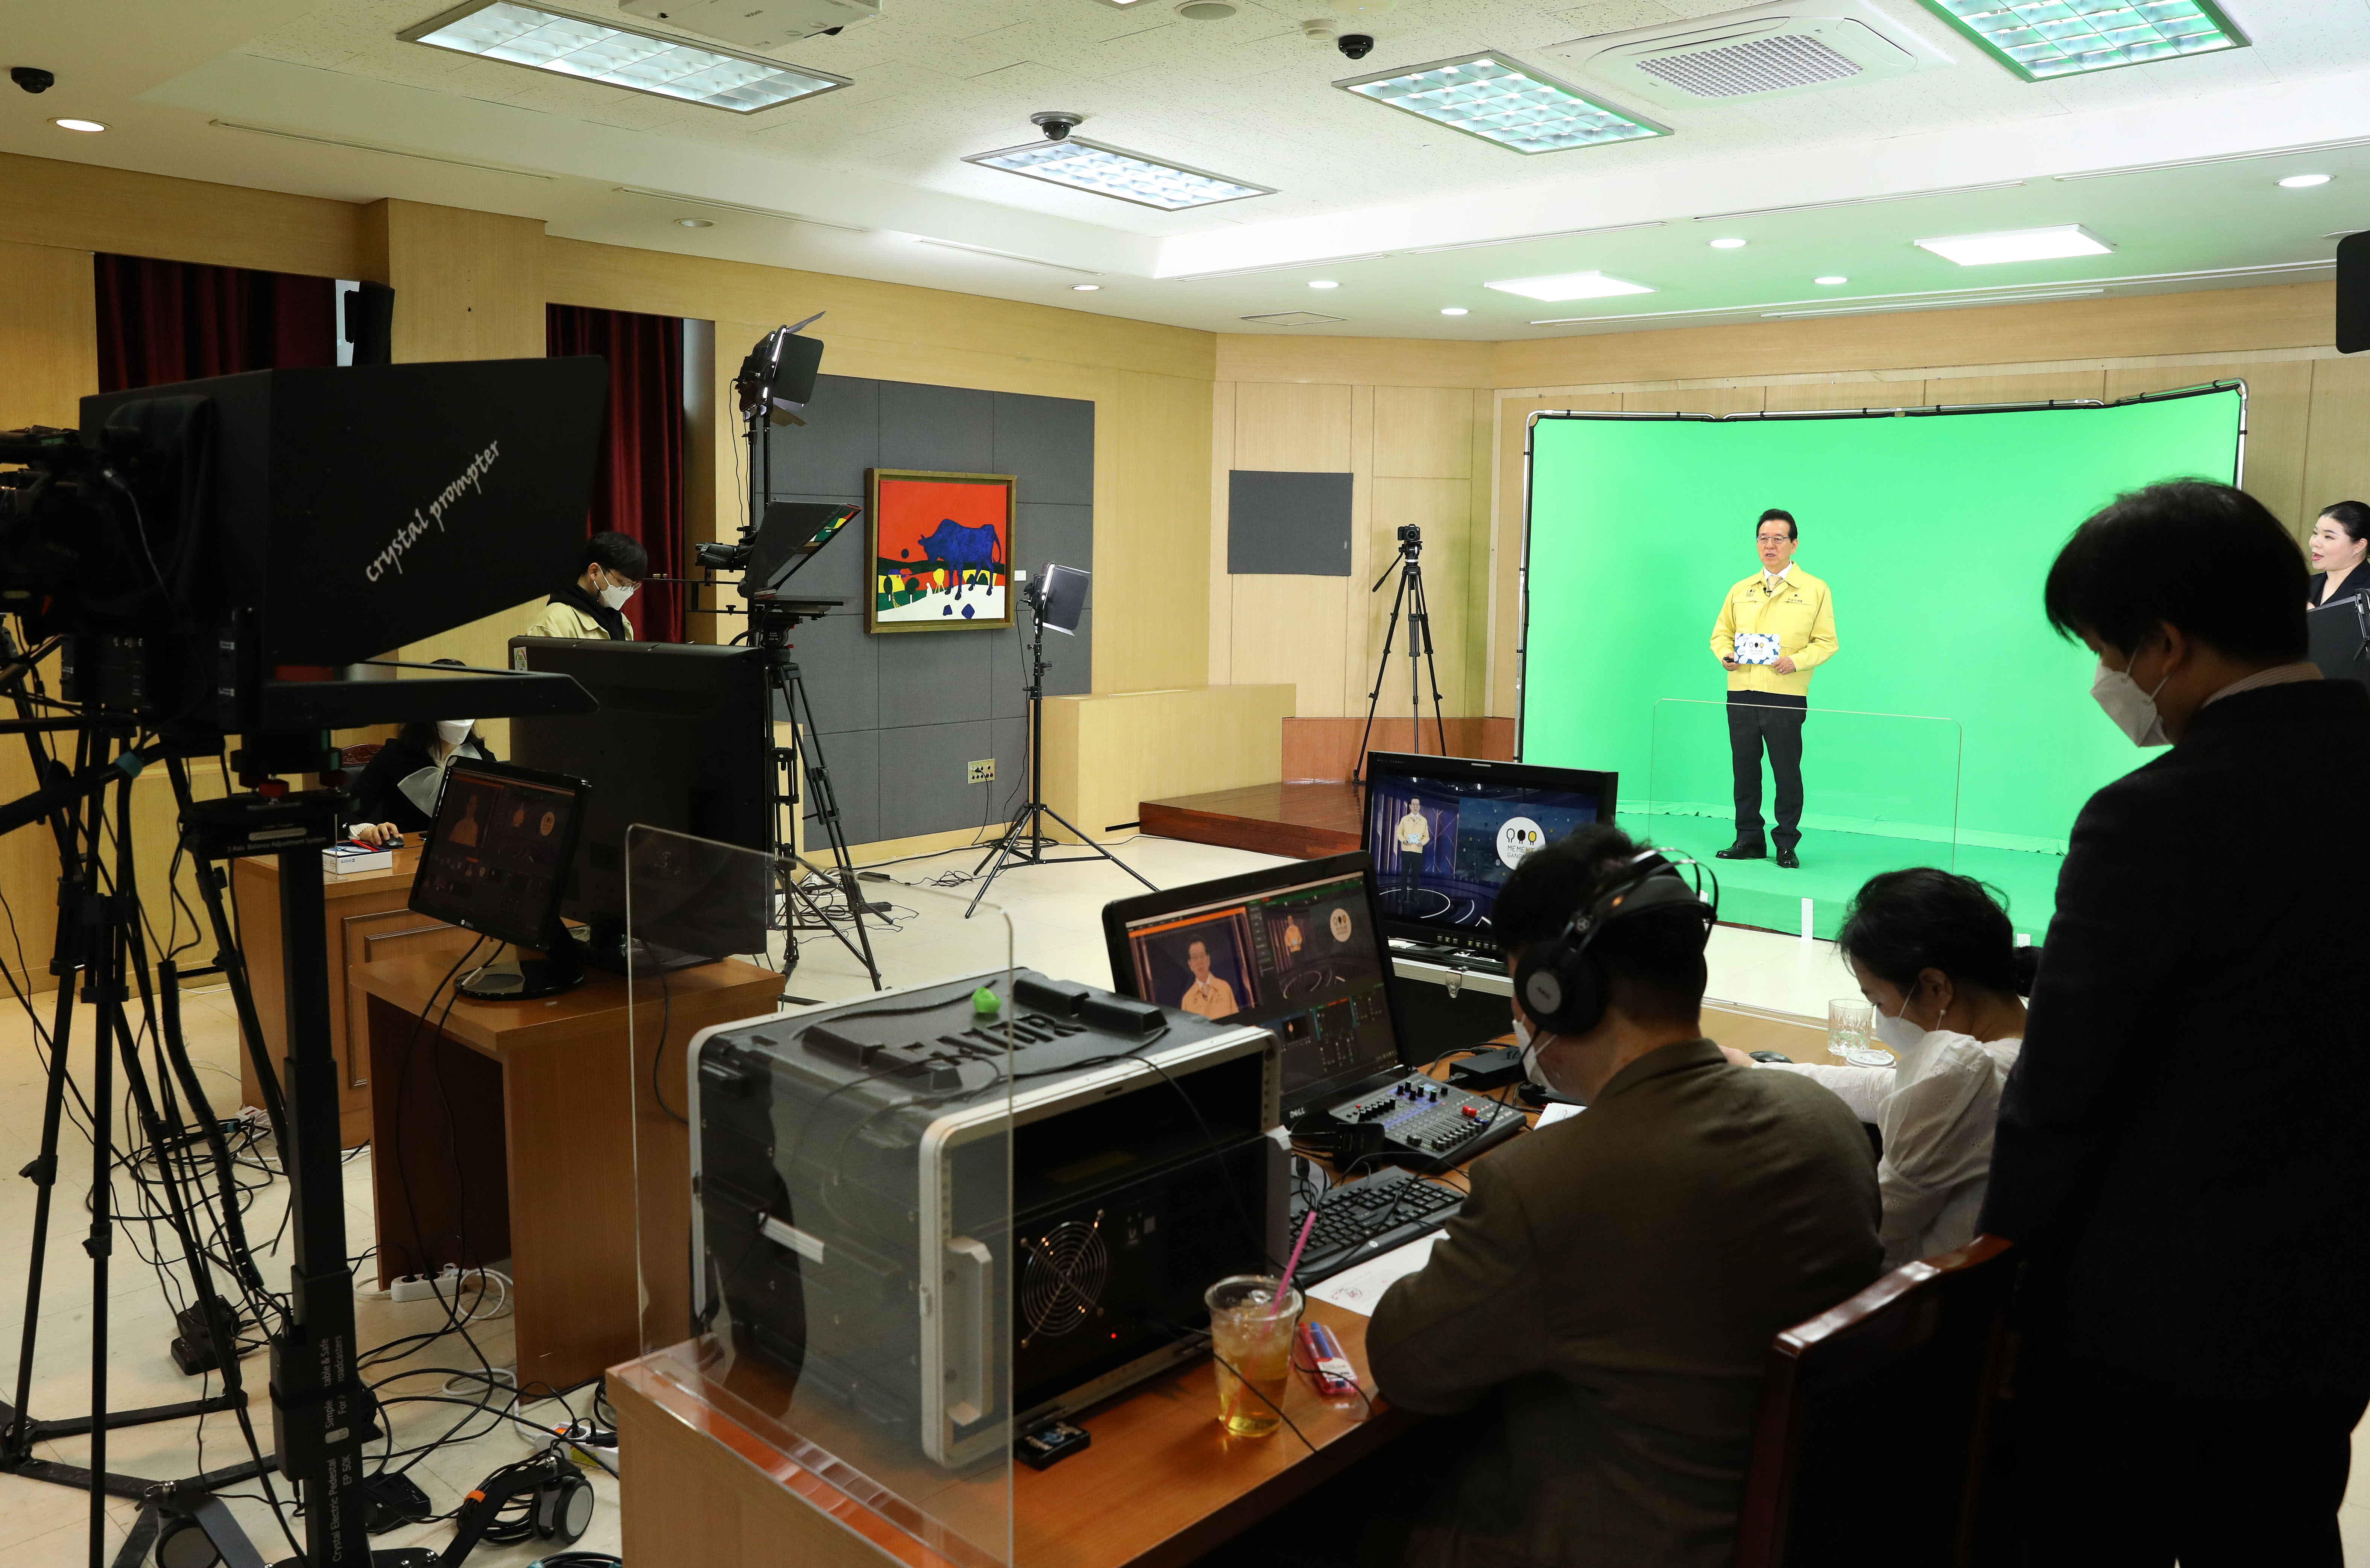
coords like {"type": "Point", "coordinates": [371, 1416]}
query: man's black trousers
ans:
{"type": "Point", "coordinates": [1755, 720]}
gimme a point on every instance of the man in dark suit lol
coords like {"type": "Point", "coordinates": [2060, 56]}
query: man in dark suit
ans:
{"type": "Point", "coordinates": [2184, 1144]}
{"type": "Point", "coordinates": [1601, 1312]}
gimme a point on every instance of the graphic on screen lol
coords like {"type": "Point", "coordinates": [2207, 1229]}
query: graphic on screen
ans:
{"type": "Point", "coordinates": [496, 855]}
{"type": "Point", "coordinates": [1443, 848]}
{"type": "Point", "coordinates": [1305, 961]}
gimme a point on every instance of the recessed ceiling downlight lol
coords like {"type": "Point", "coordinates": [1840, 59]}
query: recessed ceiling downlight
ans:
{"type": "Point", "coordinates": [1832, 279]}
{"type": "Point", "coordinates": [1453, 310]}
{"type": "Point", "coordinates": [1207, 11]}
{"type": "Point", "coordinates": [1731, 243]}
{"type": "Point", "coordinates": [2303, 181]}
{"type": "Point", "coordinates": [71, 124]}
{"type": "Point", "coordinates": [695, 223]}
{"type": "Point", "coordinates": [1085, 288]}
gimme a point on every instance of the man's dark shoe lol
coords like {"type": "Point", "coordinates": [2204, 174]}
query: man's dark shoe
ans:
{"type": "Point", "coordinates": [1742, 849]}
{"type": "Point", "coordinates": [1787, 862]}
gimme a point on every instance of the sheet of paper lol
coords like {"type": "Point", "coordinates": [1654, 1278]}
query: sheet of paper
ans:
{"type": "Point", "coordinates": [1359, 1289]}
{"type": "Point", "coordinates": [1556, 1110]}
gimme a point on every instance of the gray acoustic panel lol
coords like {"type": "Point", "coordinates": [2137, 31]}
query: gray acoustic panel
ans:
{"type": "Point", "coordinates": [1007, 674]}
{"type": "Point", "coordinates": [828, 455]}
{"type": "Point", "coordinates": [923, 788]}
{"type": "Point", "coordinates": [1064, 534]}
{"type": "Point", "coordinates": [947, 429]}
{"type": "Point", "coordinates": [934, 677]}
{"type": "Point", "coordinates": [1051, 440]}
{"type": "Point", "coordinates": [854, 758]}
{"type": "Point", "coordinates": [1011, 738]}
{"type": "Point", "coordinates": [1281, 524]}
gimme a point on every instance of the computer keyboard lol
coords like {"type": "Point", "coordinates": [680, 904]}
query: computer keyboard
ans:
{"type": "Point", "coordinates": [1357, 1220]}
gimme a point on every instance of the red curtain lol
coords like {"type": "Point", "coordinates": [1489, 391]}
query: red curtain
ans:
{"type": "Point", "coordinates": [165, 321]}
{"type": "Point", "coordinates": [638, 486]}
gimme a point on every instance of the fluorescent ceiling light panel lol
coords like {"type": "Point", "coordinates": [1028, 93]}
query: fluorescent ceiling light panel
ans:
{"type": "Point", "coordinates": [1569, 285]}
{"type": "Point", "coordinates": [2041, 39]}
{"type": "Point", "coordinates": [1113, 171]}
{"type": "Point", "coordinates": [2018, 244]}
{"type": "Point", "coordinates": [1506, 104]}
{"type": "Point", "coordinates": [618, 57]}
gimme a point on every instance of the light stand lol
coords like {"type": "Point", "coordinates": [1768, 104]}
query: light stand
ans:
{"type": "Point", "coordinates": [1025, 842]}
{"type": "Point", "coordinates": [1418, 651]}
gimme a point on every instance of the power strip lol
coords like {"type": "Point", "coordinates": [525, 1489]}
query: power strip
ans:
{"type": "Point", "coordinates": [419, 1287]}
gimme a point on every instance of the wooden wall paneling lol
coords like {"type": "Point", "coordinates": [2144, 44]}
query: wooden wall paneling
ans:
{"type": "Point", "coordinates": [1694, 400]}
{"type": "Point", "coordinates": [1296, 631]}
{"type": "Point", "coordinates": [1958, 391]}
{"type": "Point", "coordinates": [1481, 485]}
{"type": "Point", "coordinates": [1366, 563]}
{"type": "Point", "coordinates": [1106, 754]}
{"type": "Point", "coordinates": [1153, 539]}
{"type": "Point", "coordinates": [1292, 427]}
{"type": "Point", "coordinates": [1423, 433]}
{"type": "Point", "coordinates": [2237, 322]}
{"type": "Point", "coordinates": [1513, 435]}
{"type": "Point", "coordinates": [2337, 459]}
{"type": "Point", "coordinates": [79, 206]}
{"type": "Point", "coordinates": [1222, 587]}
{"type": "Point", "coordinates": [1844, 392]}
{"type": "Point", "coordinates": [49, 333]}
{"type": "Point", "coordinates": [2279, 418]}
{"type": "Point", "coordinates": [1373, 362]}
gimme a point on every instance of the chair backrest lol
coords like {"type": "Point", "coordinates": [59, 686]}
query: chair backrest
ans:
{"type": "Point", "coordinates": [356, 756]}
{"type": "Point", "coordinates": [1875, 1421]}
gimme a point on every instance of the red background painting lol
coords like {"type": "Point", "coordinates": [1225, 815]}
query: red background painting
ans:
{"type": "Point", "coordinates": [911, 508]}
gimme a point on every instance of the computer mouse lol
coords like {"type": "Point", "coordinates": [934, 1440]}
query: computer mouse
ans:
{"type": "Point", "coordinates": [1770, 1055]}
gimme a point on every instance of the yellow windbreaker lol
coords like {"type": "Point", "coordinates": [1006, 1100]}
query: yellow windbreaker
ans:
{"type": "Point", "coordinates": [1802, 615]}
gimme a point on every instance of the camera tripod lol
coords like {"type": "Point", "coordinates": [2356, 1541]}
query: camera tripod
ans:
{"type": "Point", "coordinates": [1025, 842]}
{"type": "Point", "coordinates": [769, 628]}
{"type": "Point", "coordinates": [1421, 665]}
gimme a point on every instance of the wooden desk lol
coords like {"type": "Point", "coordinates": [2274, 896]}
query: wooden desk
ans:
{"type": "Point", "coordinates": [520, 1130]}
{"type": "Point", "coordinates": [368, 922]}
{"type": "Point", "coordinates": [1161, 1485]}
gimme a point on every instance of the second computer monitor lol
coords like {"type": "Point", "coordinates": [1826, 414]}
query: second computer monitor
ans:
{"type": "Point", "coordinates": [1295, 947]}
{"type": "Point", "coordinates": [1444, 831]}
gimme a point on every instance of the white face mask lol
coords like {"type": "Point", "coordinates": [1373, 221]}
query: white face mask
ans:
{"type": "Point", "coordinates": [1532, 1044]}
{"type": "Point", "coordinates": [616, 597]}
{"type": "Point", "coordinates": [1900, 1033]}
{"type": "Point", "coordinates": [2133, 710]}
{"type": "Point", "coordinates": [453, 731]}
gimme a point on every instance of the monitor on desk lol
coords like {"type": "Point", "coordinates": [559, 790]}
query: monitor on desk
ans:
{"type": "Point", "coordinates": [1297, 946]}
{"type": "Point", "coordinates": [1444, 831]}
{"type": "Point", "coordinates": [495, 862]}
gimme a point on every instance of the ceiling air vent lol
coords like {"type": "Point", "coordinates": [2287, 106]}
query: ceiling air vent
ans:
{"type": "Point", "coordinates": [1763, 52]}
{"type": "Point", "coordinates": [1293, 318]}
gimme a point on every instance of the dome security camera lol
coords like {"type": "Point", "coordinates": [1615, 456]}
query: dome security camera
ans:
{"type": "Point", "coordinates": [1357, 46]}
{"type": "Point", "coordinates": [1057, 123]}
{"type": "Point", "coordinates": [32, 78]}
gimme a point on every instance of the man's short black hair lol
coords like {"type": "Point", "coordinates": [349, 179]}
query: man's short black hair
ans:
{"type": "Point", "coordinates": [2207, 557]}
{"type": "Point", "coordinates": [1778, 515]}
{"type": "Point", "coordinates": [620, 553]}
{"type": "Point", "coordinates": [1655, 960]}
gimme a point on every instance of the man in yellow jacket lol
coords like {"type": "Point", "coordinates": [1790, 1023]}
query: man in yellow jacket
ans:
{"type": "Point", "coordinates": [1785, 621]}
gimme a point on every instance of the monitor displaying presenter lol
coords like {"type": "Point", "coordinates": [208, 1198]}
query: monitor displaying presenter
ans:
{"type": "Point", "coordinates": [1775, 627]}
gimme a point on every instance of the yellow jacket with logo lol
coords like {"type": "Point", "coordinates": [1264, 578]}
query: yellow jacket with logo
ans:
{"type": "Point", "coordinates": [1802, 615]}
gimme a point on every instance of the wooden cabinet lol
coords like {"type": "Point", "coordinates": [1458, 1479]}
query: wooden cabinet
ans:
{"type": "Point", "coordinates": [366, 920]}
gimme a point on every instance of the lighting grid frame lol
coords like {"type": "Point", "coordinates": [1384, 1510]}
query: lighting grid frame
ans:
{"type": "Point", "coordinates": [1129, 175]}
{"type": "Point", "coordinates": [540, 39]}
{"type": "Point", "coordinates": [2042, 41]}
{"type": "Point", "coordinates": [1462, 92]}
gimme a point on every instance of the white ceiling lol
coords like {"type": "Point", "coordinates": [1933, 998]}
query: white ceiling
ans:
{"type": "Point", "coordinates": [336, 105]}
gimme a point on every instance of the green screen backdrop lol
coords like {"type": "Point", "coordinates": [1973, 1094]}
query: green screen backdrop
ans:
{"type": "Point", "coordinates": [1952, 727]}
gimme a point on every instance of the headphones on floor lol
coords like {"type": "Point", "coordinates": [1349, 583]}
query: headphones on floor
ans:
{"type": "Point", "coordinates": [1563, 986]}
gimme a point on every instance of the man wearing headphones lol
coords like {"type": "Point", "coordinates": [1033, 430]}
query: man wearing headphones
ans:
{"type": "Point", "coordinates": [1599, 1312]}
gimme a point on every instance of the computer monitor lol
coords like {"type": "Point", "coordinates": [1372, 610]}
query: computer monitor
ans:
{"type": "Point", "coordinates": [1444, 832]}
{"type": "Point", "coordinates": [494, 863]}
{"type": "Point", "coordinates": [1296, 947]}
{"type": "Point", "coordinates": [684, 742]}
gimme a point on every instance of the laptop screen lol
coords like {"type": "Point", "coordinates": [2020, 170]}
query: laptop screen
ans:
{"type": "Point", "coordinates": [1293, 948]}
{"type": "Point", "coordinates": [1444, 831]}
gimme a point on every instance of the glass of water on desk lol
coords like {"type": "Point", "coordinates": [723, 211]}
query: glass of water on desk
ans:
{"type": "Point", "coordinates": [1250, 1334]}
{"type": "Point", "coordinates": [1850, 1022]}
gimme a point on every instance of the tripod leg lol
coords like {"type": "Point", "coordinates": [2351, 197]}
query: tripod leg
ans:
{"type": "Point", "coordinates": [1098, 848]}
{"type": "Point", "coordinates": [1419, 627]}
{"type": "Point", "coordinates": [1382, 668]}
{"type": "Point", "coordinates": [802, 729]}
{"type": "Point", "coordinates": [233, 963]}
{"type": "Point", "coordinates": [104, 981]}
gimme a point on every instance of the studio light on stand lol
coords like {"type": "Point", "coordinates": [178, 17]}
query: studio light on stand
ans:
{"type": "Point", "coordinates": [1057, 602]}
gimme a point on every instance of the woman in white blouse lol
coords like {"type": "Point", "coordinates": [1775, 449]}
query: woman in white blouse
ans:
{"type": "Point", "coordinates": [1936, 956]}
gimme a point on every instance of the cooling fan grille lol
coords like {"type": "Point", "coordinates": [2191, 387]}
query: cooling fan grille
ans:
{"type": "Point", "coordinates": [1060, 1287]}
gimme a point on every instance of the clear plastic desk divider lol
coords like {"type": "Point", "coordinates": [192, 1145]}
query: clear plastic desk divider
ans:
{"type": "Point", "coordinates": [824, 1191]}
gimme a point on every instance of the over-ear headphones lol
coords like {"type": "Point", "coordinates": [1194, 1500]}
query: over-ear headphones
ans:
{"type": "Point", "coordinates": [1562, 984]}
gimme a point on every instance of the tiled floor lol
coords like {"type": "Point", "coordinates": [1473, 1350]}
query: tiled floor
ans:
{"type": "Point", "coordinates": [1044, 918]}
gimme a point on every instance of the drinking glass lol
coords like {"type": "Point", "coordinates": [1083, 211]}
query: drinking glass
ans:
{"type": "Point", "coordinates": [1850, 1023]}
{"type": "Point", "coordinates": [1251, 1332]}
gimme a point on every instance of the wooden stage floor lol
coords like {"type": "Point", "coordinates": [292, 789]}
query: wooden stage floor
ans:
{"type": "Point", "coordinates": [1298, 821]}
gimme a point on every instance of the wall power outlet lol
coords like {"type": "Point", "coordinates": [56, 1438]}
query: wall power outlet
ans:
{"type": "Point", "coordinates": [980, 772]}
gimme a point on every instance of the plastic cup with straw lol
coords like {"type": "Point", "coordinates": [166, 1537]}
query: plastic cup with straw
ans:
{"type": "Point", "coordinates": [1251, 1320]}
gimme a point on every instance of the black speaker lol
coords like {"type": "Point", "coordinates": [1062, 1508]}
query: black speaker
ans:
{"type": "Point", "coordinates": [369, 316]}
{"type": "Point", "coordinates": [2354, 293]}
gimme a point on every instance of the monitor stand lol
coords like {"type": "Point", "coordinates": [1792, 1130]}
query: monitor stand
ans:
{"type": "Point", "coordinates": [605, 947]}
{"type": "Point", "coordinates": [521, 977]}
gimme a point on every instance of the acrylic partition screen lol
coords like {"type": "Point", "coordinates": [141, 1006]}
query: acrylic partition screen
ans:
{"type": "Point", "coordinates": [1934, 532]}
{"type": "Point", "coordinates": [823, 1185]}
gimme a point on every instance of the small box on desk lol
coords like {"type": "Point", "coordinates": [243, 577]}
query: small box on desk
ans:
{"type": "Point", "coordinates": [351, 860]}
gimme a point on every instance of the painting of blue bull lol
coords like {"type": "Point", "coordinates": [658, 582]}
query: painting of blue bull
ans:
{"type": "Point", "coordinates": [964, 549]}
